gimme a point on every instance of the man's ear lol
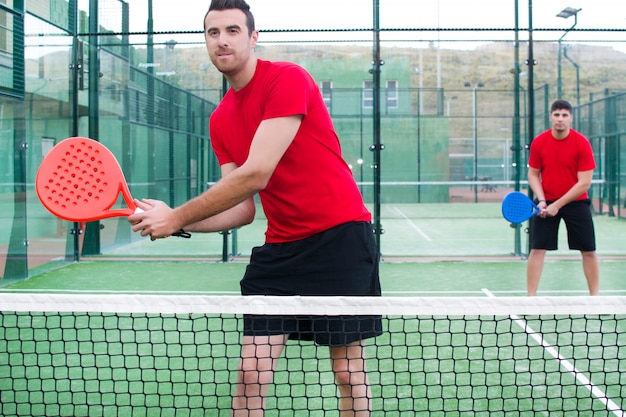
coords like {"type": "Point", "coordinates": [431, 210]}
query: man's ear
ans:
{"type": "Point", "coordinates": [254, 38]}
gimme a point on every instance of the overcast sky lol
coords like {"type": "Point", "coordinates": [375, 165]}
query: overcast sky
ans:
{"type": "Point", "coordinates": [428, 15]}
{"type": "Point", "coordinates": [425, 14]}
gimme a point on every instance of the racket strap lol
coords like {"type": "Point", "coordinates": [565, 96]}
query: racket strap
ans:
{"type": "Point", "coordinates": [182, 233]}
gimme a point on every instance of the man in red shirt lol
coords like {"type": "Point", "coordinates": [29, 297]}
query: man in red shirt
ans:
{"type": "Point", "coordinates": [273, 136]}
{"type": "Point", "coordinates": [560, 169]}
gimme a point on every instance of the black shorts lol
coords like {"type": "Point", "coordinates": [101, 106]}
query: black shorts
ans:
{"type": "Point", "coordinates": [580, 230]}
{"type": "Point", "coordinates": [341, 261]}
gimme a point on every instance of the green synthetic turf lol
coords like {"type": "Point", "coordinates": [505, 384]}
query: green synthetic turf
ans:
{"type": "Point", "coordinates": [398, 278]}
{"type": "Point", "coordinates": [89, 364]}
{"type": "Point", "coordinates": [416, 230]}
{"type": "Point", "coordinates": [99, 367]}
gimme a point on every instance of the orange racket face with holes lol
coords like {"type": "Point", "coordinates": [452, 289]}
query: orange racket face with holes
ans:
{"type": "Point", "coordinates": [80, 180]}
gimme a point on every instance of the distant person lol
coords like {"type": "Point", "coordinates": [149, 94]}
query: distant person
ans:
{"type": "Point", "coordinates": [560, 169]}
{"type": "Point", "coordinates": [273, 136]}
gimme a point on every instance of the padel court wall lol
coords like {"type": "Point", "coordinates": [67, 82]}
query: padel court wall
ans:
{"type": "Point", "coordinates": [440, 143]}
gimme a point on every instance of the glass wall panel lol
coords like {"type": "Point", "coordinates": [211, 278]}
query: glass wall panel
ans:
{"type": "Point", "coordinates": [463, 88]}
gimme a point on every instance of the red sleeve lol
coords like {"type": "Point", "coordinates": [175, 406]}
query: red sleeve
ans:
{"type": "Point", "coordinates": [223, 157]}
{"type": "Point", "coordinates": [288, 93]}
{"type": "Point", "coordinates": [586, 161]}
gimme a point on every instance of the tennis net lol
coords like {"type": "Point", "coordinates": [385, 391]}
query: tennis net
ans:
{"type": "Point", "coordinates": [150, 355]}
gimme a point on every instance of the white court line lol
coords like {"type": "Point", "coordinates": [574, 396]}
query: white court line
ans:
{"type": "Point", "coordinates": [437, 292]}
{"type": "Point", "coordinates": [155, 292]}
{"type": "Point", "coordinates": [586, 382]}
{"type": "Point", "coordinates": [413, 225]}
{"type": "Point", "coordinates": [547, 292]}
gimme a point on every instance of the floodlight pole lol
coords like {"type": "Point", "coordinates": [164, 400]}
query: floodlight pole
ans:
{"type": "Point", "coordinates": [577, 67]}
{"type": "Point", "coordinates": [565, 14]}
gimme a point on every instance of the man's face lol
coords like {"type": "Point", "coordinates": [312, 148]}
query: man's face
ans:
{"type": "Point", "coordinates": [561, 120]}
{"type": "Point", "coordinates": [227, 40]}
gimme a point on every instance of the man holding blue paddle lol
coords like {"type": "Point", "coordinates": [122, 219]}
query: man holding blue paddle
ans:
{"type": "Point", "coordinates": [560, 169]}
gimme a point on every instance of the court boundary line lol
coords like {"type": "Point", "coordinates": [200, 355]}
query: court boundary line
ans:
{"type": "Point", "coordinates": [413, 225]}
{"type": "Point", "coordinates": [600, 395]}
{"type": "Point", "coordinates": [390, 293]}
{"type": "Point", "coordinates": [122, 292]}
{"type": "Point", "coordinates": [504, 257]}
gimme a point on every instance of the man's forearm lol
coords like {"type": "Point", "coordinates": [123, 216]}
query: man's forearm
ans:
{"type": "Point", "coordinates": [576, 191]}
{"type": "Point", "coordinates": [535, 185]}
{"type": "Point", "coordinates": [240, 215]}
{"type": "Point", "coordinates": [227, 193]}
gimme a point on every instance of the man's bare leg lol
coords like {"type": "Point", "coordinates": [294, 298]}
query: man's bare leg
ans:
{"type": "Point", "coordinates": [256, 372]}
{"type": "Point", "coordinates": [534, 268]}
{"type": "Point", "coordinates": [591, 268]}
{"type": "Point", "coordinates": [355, 397]}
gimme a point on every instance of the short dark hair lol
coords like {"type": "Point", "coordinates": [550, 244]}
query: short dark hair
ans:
{"type": "Point", "coordinates": [233, 4]}
{"type": "Point", "coordinates": [561, 105]}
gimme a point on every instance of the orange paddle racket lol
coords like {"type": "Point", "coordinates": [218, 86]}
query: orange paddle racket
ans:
{"type": "Point", "coordinates": [80, 180]}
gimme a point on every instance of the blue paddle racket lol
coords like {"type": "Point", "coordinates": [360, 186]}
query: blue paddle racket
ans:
{"type": "Point", "coordinates": [517, 207]}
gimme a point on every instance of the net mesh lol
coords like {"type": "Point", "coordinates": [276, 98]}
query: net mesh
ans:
{"type": "Point", "coordinates": [139, 355]}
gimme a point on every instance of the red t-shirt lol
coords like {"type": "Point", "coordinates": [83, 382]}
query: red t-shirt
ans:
{"type": "Point", "coordinates": [312, 189]}
{"type": "Point", "coordinates": [560, 161]}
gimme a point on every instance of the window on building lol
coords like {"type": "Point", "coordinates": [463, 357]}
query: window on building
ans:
{"type": "Point", "coordinates": [46, 145]}
{"type": "Point", "coordinates": [326, 86]}
{"type": "Point", "coordinates": [392, 94]}
{"type": "Point", "coordinates": [368, 94]}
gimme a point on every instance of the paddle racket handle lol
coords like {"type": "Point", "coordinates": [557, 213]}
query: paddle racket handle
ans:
{"type": "Point", "coordinates": [180, 233]}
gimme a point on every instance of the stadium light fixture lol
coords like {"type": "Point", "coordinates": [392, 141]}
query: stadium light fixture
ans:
{"type": "Point", "coordinates": [566, 13]}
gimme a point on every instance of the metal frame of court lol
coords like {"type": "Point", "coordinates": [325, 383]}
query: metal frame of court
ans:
{"type": "Point", "coordinates": [136, 110]}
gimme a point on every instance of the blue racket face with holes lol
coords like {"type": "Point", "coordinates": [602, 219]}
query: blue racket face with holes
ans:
{"type": "Point", "coordinates": [517, 207]}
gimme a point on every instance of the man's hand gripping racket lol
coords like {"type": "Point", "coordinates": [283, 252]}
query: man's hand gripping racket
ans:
{"type": "Point", "coordinates": [80, 180]}
{"type": "Point", "coordinates": [517, 207]}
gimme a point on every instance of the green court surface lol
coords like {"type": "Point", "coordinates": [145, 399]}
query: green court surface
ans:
{"type": "Point", "coordinates": [443, 278]}
{"type": "Point", "coordinates": [101, 364]}
{"type": "Point", "coordinates": [183, 366]}
{"type": "Point", "coordinates": [444, 231]}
